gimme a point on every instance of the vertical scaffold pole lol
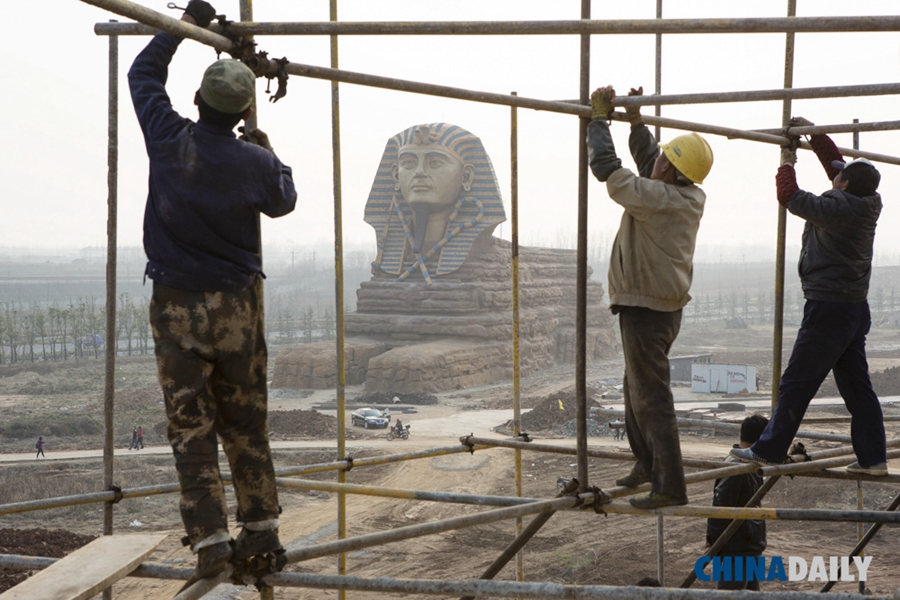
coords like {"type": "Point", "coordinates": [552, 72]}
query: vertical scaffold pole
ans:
{"type": "Point", "coordinates": [112, 183]}
{"type": "Point", "coordinates": [658, 90]}
{"type": "Point", "coordinates": [581, 290]}
{"type": "Point", "coordinates": [778, 312]}
{"type": "Point", "coordinates": [517, 373]}
{"type": "Point", "coordinates": [246, 14]}
{"type": "Point", "coordinates": [338, 291]}
{"type": "Point", "coordinates": [660, 552]}
{"type": "Point", "coordinates": [660, 539]}
{"type": "Point", "coordinates": [859, 489]}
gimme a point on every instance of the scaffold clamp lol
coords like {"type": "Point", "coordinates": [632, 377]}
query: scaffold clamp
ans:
{"type": "Point", "coordinates": [118, 494]}
{"type": "Point", "coordinates": [600, 498]}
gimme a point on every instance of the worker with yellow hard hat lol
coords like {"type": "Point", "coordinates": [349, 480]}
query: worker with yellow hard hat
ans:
{"type": "Point", "coordinates": [650, 272]}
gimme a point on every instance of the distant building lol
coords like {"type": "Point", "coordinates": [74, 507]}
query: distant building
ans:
{"type": "Point", "coordinates": [680, 366]}
{"type": "Point", "coordinates": [722, 379]}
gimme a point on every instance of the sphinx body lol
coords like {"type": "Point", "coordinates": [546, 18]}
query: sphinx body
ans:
{"type": "Point", "coordinates": [437, 313]}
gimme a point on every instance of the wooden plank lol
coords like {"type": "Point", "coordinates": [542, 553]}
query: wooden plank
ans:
{"type": "Point", "coordinates": [89, 570]}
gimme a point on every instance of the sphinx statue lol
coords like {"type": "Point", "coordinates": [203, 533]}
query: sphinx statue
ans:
{"type": "Point", "coordinates": [437, 313]}
{"type": "Point", "coordinates": [434, 197]}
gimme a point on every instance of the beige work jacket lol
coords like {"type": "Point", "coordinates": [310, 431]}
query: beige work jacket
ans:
{"type": "Point", "coordinates": [651, 264]}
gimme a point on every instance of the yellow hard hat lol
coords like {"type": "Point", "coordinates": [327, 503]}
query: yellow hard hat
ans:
{"type": "Point", "coordinates": [691, 155]}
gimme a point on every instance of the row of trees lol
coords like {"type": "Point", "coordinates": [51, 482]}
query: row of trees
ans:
{"type": "Point", "coordinates": [76, 331]}
{"type": "Point", "coordinates": [759, 306]}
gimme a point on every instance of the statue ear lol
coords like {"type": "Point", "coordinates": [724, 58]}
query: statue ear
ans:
{"type": "Point", "coordinates": [395, 173]}
{"type": "Point", "coordinates": [468, 176]}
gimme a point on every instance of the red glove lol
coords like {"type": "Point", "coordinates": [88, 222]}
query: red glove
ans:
{"type": "Point", "coordinates": [826, 151]}
{"type": "Point", "coordinates": [785, 184]}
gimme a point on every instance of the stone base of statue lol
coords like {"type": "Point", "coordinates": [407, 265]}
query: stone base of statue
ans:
{"type": "Point", "coordinates": [457, 332]}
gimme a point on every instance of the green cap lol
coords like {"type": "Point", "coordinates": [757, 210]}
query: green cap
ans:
{"type": "Point", "coordinates": [228, 86]}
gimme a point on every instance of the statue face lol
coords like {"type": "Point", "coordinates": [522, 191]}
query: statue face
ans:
{"type": "Point", "coordinates": [431, 176]}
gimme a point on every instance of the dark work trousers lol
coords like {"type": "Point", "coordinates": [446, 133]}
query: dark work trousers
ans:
{"type": "Point", "coordinates": [211, 359]}
{"type": "Point", "coordinates": [647, 336]}
{"type": "Point", "coordinates": [831, 337]}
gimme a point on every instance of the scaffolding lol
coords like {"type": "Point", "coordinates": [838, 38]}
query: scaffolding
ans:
{"type": "Point", "coordinates": [576, 494]}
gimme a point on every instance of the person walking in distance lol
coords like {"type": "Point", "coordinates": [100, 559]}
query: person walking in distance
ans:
{"type": "Point", "coordinates": [835, 268]}
{"type": "Point", "coordinates": [737, 490]}
{"type": "Point", "coordinates": [140, 438]}
{"type": "Point", "coordinates": [207, 190]}
{"type": "Point", "coordinates": [134, 437]}
{"type": "Point", "coordinates": [40, 448]}
{"type": "Point", "coordinates": [650, 271]}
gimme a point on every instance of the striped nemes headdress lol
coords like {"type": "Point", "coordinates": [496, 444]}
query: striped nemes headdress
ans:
{"type": "Point", "coordinates": [480, 208]}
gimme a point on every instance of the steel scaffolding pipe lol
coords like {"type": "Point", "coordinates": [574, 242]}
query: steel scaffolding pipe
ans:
{"type": "Point", "coordinates": [587, 499]}
{"type": "Point", "coordinates": [108, 496]}
{"type": "Point", "coordinates": [838, 128]}
{"type": "Point", "coordinates": [442, 587]}
{"type": "Point", "coordinates": [811, 435]}
{"type": "Point", "coordinates": [163, 22]}
{"type": "Point", "coordinates": [723, 470]}
{"type": "Point", "coordinates": [813, 465]}
{"type": "Point", "coordinates": [582, 110]}
{"type": "Point", "coordinates": [864, 541]}
{"type": "Point", "coordinates": [403, 494]}
{"type": "Point", "coordinates": [345, 465]}
{"type": "Point", "coordinates": [836, 91]}
{"type": "Point", "coordinates": [481, 443]}
{"type": "Point", "coordinates": [514, 589]}
{"type": "Point", "coordinates": [553, 27]}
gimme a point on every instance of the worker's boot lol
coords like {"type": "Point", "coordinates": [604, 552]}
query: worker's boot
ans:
{"type": "Point", "coordinates": [255, 543]}
{"type": "Point", "coordinates": [878, 470]}
{"type": "Point", "coordinates": [654, 500]}
{"type": "Point", "coordinates": [211, 560]}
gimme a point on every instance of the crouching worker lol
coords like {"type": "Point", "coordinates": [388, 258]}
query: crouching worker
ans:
{"type": "Point", "coordinates": [207, 189]}
{"type": "Point", "coordinates": [650, 272]}
{"type": "Point", "coordinates": [738, 490]}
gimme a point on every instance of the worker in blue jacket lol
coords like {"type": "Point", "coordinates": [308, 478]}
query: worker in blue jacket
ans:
{"type": "Point", "coordinates": [202, 239]}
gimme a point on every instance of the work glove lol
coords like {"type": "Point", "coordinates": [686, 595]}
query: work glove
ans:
{"type": "Point", "coordinates": [257, 137]}
{"type": "Point", "coordinates": [634, 112]}
{"type": "Point", "coordinates": [789, 155]}
{"type": "Point", "coordinates": [202, 12]}
{"type": "Point", "coordinates": [785, 184]}
{"type": "Point", "coordinates": [602, 101]}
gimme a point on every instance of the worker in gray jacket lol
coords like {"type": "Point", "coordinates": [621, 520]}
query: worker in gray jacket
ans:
{"type": "Point", "coordinates": [650, 271]}
{"type": "Point", "coordinates": [835, 266]}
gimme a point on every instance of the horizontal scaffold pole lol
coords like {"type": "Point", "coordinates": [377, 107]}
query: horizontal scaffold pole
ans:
{"type": "Point", "coordinates": [557, 27]}
{"type": "Point", "coordinates": [514, 589]}
{"type": "Point", "coordinates": [815, 465]}
{"type": "Point", "coordinates": [533, 508]}
{"type": "Point", "coordinates": [131, 10]}
{"type": "Point", "coordinates": [451, 587]}
{"type": "Point", "coordinates": [371, 461]}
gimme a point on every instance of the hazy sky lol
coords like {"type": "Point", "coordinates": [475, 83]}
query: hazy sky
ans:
{"type": "Point", "coordinates": [54, 102]}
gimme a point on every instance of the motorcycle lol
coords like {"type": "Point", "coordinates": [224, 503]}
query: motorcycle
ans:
{"type": "Point", "coordinates": [403, 433]}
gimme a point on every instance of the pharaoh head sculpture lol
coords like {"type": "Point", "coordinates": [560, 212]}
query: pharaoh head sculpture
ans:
{"type": "Point", "coordinates": [434, 195]}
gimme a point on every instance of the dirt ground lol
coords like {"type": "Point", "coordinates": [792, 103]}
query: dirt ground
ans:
{"type": "Point", "coordinates": [576, 547]}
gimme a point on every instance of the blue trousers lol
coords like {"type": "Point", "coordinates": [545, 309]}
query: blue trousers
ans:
{"type": "Point", "coordinates": [832, 337]}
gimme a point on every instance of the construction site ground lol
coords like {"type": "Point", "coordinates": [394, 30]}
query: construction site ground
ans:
{"type": "Point", "coordinates": [576, 547]}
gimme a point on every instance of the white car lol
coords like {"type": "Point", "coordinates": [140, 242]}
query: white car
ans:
{"type": "Point", "coordinates": [370, 417]}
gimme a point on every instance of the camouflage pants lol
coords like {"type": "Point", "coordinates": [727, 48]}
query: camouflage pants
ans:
{"type": "Point", "coordinates": [211, 358]}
